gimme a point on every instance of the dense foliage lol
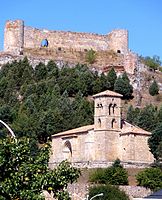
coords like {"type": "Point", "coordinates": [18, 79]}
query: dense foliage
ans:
{"type": "Point", "coordinates": [154, 88]}
{"type": "Point", "coordinates": [24, 173]}
{"type": "Point", "coordinates": [147, 118]}
{"type": "Point", "coordinates": [155, 142]}
{"type": "Point", "coordinates": [150, 178]}
{"type": "Point", "coordinates": [114, 175]}
{"type": "Point", "coordinates": [122, 85]}
{"type": "Point", "coordinates": [109, 192]}
{"type": "Point", "coordinates": [45, 100]}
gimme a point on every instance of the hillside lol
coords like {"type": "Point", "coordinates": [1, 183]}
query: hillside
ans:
{"type": "Point", "coordinates": [104, 60]}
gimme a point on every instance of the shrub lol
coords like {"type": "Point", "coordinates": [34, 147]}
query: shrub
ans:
{"type": "Point", "coordinates": [98, 176]}
{"type": "Point", "coordinates": [109, 192]}
{"type": "Point", "coordinates": [91, 56]}
{"type": "Point", "coordinates": [114, 175]}
{"type": "Point", "coordinates": [150, 178]}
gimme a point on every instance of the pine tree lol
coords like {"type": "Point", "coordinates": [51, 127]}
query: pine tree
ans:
{"type": "Point", "coordinates": [111, 78]}
{"type": "Point", "coordinates": [154, 89]}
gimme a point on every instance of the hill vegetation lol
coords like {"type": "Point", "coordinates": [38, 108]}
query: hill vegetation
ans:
{"type": "Point", "coordinates": [41, 101]}
{"type": "Point", "coordinates": [46, 100]}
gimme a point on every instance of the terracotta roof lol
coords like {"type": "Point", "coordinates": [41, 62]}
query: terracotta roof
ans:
{"type": "Point", "coordinates": [129, 128]}
{"type": "Point", "coordinates": [75, 131]}
{"type": "Point", "coordinates": [108, 93]}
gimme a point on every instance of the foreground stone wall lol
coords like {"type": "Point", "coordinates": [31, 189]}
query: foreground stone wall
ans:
{"type": "Point", "coordinates": [79, 191]}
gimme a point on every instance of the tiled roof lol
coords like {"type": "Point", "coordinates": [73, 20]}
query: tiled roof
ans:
{"type": "Point", "coordinates": [75, 131]}
{"type": "Point", "coordinates": [108, 93]}
{"type": "Point", "coordinates": [129, 128]}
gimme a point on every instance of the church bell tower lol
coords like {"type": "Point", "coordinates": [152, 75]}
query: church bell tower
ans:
{"type": "Point", "coordinates": [107, 124]}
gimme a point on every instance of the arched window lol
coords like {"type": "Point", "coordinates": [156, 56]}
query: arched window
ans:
{"type": "Point", "coordinates": [113, 107]}
{"type": "Point", "coordinates": [110, 108]}
{"type": "Point", "coordinates": [118, 51]}
{"type": "Point", "coordinates": [112, 123]}
{"type": "Point", "coordinates": [67, 150]}
{"type": "Point", "coordinates": [44, 43]}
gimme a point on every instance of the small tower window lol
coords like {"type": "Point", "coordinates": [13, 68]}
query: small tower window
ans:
{"type": "Point", "coordinates": [118, 51]}
{"type": "Point", "coordinates": [112, 123]}
{"type": "Point", "coordinates": [99, 121]}
{"type": "Point", "coordinates": [110, 105]}
{"type": "Point", "coordinates": [113, 107]}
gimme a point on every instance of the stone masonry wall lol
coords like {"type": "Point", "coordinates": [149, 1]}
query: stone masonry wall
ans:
{"type": "Point", "coordinates": [18, 39]}
{"type": "Point", "coordinates": [79, 191]}
{"type": "Point", "coordinates": [29, 37]}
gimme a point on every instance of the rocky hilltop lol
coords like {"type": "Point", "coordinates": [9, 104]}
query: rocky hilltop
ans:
{"type": "Point", "coordinates": [71, 48]}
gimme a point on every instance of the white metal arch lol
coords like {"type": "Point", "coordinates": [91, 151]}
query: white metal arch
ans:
{"type": "Point", "coordinates": [10, 130]}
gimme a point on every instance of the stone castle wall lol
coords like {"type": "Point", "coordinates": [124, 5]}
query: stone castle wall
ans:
{"type": "Point", "coordinates": [70, 47]}
{"type": "Point", "coordinates": [18, 36]}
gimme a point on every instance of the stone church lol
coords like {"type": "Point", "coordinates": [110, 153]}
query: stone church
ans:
{"type": "Point", "coordinates": [109, 138]}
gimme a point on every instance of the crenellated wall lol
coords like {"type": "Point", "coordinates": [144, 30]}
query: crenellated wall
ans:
{"type": "Point", "coordinates": [18, 36]}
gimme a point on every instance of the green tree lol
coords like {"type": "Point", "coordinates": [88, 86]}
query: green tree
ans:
{"type": "Point", "coordinates": [91, 56]}
{"type": "Point", "coordinates": [123, 86]}
{"type": "Point", "coordinates": [155, 140]}
{"type": "Point", "coordinates": [130, 114]}
{"type": "Point", "coordinates": [40, 72]}
{"type": "Point", "coordinates": [147, 118]}
{"type": "Point", "coordinates": [111, 78]}
{"type": "Point", "coordinates": [24, 174]}
{"type": "Point", "coordinates": [150, 178]}
{"type": "Point", "coordinates": [154, 89]}
{"type": "Point", "coordinates": [109, 192]}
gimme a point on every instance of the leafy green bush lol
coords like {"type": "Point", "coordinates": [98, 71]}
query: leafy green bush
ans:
{"type": "Point", "coordinates": [109, 193]}
{"type": "Point", "coordinates": [114, 175]}
{"type": "Point", "coordinates": [150, 178]}
{"type": "Point", "coordinates": [98, 176]}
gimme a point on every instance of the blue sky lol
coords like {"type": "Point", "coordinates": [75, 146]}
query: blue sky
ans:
{"type": "Point", "coordinates": [142, 18]}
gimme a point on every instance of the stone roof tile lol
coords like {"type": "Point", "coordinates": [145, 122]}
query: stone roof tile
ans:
{"type": "Point", "coordinates": [129, 128]}
{"type": "Point", "coordinates": [108, 93]}
{"type": "Point", "coordinates": [75, 131]}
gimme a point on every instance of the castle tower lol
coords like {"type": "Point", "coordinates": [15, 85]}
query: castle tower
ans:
{"type": "Point", "coordinates": [14, 36]}
{"type": "Point", "coordinates": [118, 41]}
{"type": "Point", "coordinates": [107, 124]}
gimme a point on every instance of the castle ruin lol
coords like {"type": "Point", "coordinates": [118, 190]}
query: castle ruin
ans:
{"type": "Point", "coordinates": [18, 39]}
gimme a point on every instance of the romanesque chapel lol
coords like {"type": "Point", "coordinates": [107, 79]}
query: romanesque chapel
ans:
{"type": "Point", "coordinates": [109, 138]}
